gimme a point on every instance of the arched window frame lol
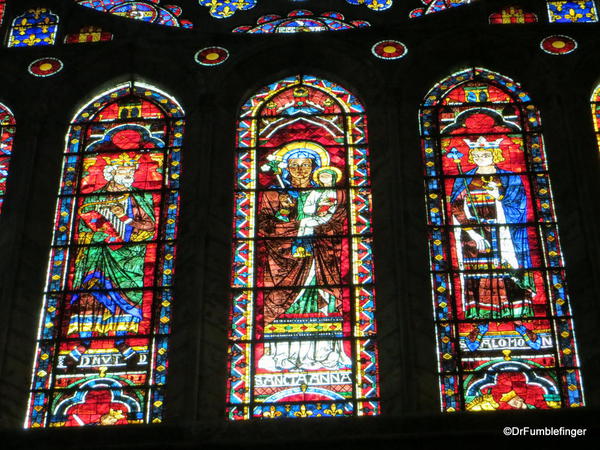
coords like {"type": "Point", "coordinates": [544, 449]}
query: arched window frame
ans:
{"type": "Point", "coordinates": [149, 11]}
{"type": "Point", "coordinates": [2, 8]}
{"type": "Point", "coordinates": [8, 128]}
{"type": "Point", "coordinates": [360, 329]}
{"type": "Point", "coordinates": [50, 400]}
{"type": "Point", "coordinates": [451, 345]}
{"type": "Point", "coordinates": [595, 105]}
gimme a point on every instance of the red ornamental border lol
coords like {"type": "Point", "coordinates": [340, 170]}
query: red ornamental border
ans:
{"type": "Point", "coordinates": [211, 56]}
{"type": "Point", "coordinates": [558, 44]}
{"type": "Point", "coordinates": [45, 67]}
{"type": "Point", "coordinates": [389, 49]}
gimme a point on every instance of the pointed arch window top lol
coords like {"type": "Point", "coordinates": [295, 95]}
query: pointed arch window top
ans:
{"type": "Point", "coordinates": [438, 93]}
{"type": "Point", "coordinates": [346, 101]}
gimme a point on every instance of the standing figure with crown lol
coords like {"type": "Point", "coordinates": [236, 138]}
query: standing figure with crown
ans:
{"type": "Point", "coordinates": [489, 208]}
{"type": "Point", "coordinates": [112, 225]}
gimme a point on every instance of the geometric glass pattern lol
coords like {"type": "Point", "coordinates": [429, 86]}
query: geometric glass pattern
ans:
{"type": "Point", "coordinates": [595, 103]}
{"type": "Point", "coordinates": [302, 325]}
{"type": "Point", "coordinates": [7, 135]}
{"type": "Point", "coordinates": [33, 28]}
{"type": "Point", "coordinates": [512, 14]}
{"type": "Point", "coordinates": [502, 314]}
{"type": "Point", "coordinates": [146, 11]}
{"type": "Point", "coordinates": [102, 344]}
{"type": "Point", "coordinates": [434, 6]}
{"type": "Point", "coordinates": [572, 11]}
{"type": "Point", "coordinates": [301, 20]}
{"type": "Point", "coordinates": [88, 34]}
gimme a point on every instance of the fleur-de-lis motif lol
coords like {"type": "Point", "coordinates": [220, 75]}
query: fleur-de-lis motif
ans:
{"type": "Point", "coordinates": [222, 9]}
{"type": "Point", "coordinates": [272, 413]}
{"type": "Point", "coordinates": [37, 12]}
{"type": "Point", "coordinates": [303, 412]}
{"type": "Point", "coordinates": [334, 410]}
{"type": "Point", "coordinates": [375, 5]}
{"type": "Point", "coordinates": [31, 41]}
{"type": "Point", "coordinates": [35, 22]}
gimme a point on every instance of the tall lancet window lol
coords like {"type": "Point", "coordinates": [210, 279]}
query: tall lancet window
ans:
{"type": "Point", "coordinates": [102, 348]}
{"type": "Point", "coordinates": [302, 336]}
{"type": "Point", "coordinates": [2, 8]}
{"type": "Point", "coordinates": [502, 314]}
{"type": "Point", "coordinates": [7, 136]}
{"type": "Point", "coordinates": [595, 104]}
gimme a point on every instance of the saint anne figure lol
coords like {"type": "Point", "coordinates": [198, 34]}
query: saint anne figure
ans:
{"type": "Point", "coordinates": [309, 214]}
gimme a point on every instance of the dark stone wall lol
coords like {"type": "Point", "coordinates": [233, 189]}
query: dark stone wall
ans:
{"type": "Point", "coordinates": [211, 96]}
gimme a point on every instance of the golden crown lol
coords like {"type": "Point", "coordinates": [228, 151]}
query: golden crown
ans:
{"type": "Point", "coordinates": [122, 160]}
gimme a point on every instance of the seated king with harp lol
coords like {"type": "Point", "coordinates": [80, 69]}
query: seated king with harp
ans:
{"type": "Point", "coordinates": [112, 225]}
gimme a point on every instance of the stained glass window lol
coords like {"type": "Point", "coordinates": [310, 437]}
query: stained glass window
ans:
{"type": "Point", "coordinates": [302, 336]}
{"type": "Point", "coordinates": [595, 103]}
{"type": "Point", "coordinates": [503, 320]}
{"type": "Point", "coordinates": [222, 9]}
{"type": "Point", "coordinates": [2, 7]}
{"type": "Point", "coordinates": [7, 135]}
{"type": "Point", "coordinates": [572, 11]}
{"type": "Point", "coordinates": [434, 6]}
{"type": "Point", "coordinates": [375, 5]}
{"type": "Point", "coordinates": [512, 14]}
{"type": "Point", "coordinates": [301, 20]}
{"type": "Point", "coordinates": [34, 27]}
{"type": "Point", "coordinates": [101, 355]}
{"type": "Point", "coordinates": [88, 34]}
{"type": "Point", "coordinates": [145, 10]}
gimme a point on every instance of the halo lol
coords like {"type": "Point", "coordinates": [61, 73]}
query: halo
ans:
{"type": "Point", "coordinates": [337, 171]}
{"type": "Point", "coordinates": [306, 145]}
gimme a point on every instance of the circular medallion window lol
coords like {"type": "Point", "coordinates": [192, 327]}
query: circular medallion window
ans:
{"type": "Point", "coordinates": [211, 56]}
{"type": "Point", "coordinates": [389, 49]}
{"type": "Point", "coordinates": [558, 45]}
{"type": "Point", "coordinates": [45, 67]}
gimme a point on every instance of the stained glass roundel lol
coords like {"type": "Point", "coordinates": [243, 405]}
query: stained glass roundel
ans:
{"type": "Point", "coordinates": [45, 67]}
{"type": "Point", "coordinates": [389, 49]}
{"type": "Point", "coordinates": [558, 45]}
{"type": "Point", "coordinates": [211, 56]}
